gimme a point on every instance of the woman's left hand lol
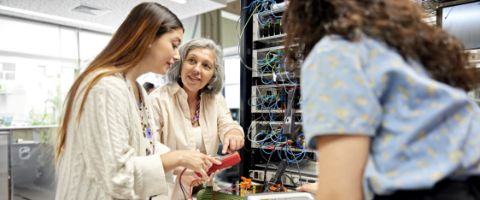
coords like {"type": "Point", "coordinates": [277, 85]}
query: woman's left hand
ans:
{"type": "Point", "coordinates": [190, 178]}
{"type": "Point", "coordinates": [233, 141]}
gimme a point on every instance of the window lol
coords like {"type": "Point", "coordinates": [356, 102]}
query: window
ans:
{"type": "Point", "coordinates": [232, 81]}
{"type": "Point", "coordinates": [90, 45]}
{"type": "Point", "coordinates": [38, 64]}
{"type": "Point", "coordinates": [462, 21]}
{"type": "Point", "coordinates": [7, 71]}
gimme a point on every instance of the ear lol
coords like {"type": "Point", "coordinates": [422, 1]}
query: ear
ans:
{"type": "Point", "coordinates": [214, 78]}
{"type": "Point", "coordinates": [209, 85]}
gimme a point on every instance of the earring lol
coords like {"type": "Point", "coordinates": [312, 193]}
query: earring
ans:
{"type": "Point", "coordinates": [209, 86]}
{"type": "Point", "coordinates": [150, 46]}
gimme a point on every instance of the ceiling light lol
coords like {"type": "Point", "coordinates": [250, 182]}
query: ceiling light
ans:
{"type": "Point", "coordinates": [91, 10]}
{"type": "Point", "coordinates": [180, 1]}
{"type": "Point", "coordinates": [26, 14]}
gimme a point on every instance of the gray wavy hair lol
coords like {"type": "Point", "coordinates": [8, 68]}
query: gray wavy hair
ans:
{"type": "Point", "coordinates": [216, 84]}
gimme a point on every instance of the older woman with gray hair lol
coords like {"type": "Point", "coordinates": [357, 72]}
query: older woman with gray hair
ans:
{"type": "Point", "coordinates": [189, 111]}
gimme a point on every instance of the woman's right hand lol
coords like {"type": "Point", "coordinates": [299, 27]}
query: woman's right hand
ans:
{"type": "Point", "coordinates": [196, 161]}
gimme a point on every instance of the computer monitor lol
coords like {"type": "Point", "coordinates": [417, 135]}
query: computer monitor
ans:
{"type": "Point", "coordinates": [462, 20]}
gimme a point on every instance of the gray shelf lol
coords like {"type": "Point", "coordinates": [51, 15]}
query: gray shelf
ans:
{"type": "Point", "coordinates": [291, 149]}
{"type": "Point", "coordinates": [271, 38]}
{"type": "Point", "coordinates": [309, 168]}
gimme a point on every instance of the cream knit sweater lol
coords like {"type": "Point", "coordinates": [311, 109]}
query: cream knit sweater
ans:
{"type": "Point", "coordinates": [104, 155]}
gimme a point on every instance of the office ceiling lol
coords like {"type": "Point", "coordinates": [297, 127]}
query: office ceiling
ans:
{"type": "Point", "coordinates": [100, 15]}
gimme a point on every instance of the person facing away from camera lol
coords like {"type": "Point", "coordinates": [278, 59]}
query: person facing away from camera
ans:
{"type": "Point", "coordinates": [386, 101]}
{"type": "Point", "coordinates": [106, 147]}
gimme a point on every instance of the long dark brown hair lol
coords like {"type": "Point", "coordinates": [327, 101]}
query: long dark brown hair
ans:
{"type": "Point", "coordinates": [398, 23]}
{"type": "Point", "coordinates": [143, 25]}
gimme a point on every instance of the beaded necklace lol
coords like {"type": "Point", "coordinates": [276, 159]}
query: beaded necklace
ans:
{"type": "Point", "coordinates": [147, 131]}
{"type": "Point", "coordinates": [144, 120]}
{"type": "Point", "coordinates": [196, 118]}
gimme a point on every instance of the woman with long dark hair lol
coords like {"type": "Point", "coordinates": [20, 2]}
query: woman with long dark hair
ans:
{"type": "Point", "coordinates": [106, 146]}
{"type": "Point", "coordinates": [384, 101]}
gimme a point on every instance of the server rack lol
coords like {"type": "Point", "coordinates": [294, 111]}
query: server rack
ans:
{"type": "Point", "coordinates": [270, 110]}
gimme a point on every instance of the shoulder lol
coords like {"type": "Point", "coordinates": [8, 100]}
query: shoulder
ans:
{"type": "Point", "coordinates": [111, 84]}
{"type": "Point", "coordinates": [332, 43]}
{"type": "Point", "coordinates": [331, 51]}
{"type": "Point", "coordinates": [218, 100]}
{"type": "Point", "coordinates": [212, 101]}
{"type": "Point", "coordinates": [212, 98]}
{"type": "Point", "coordinates": [218, 97]}
{"type": "Point", "coordinates": [335, 50]}
{"type": "Point", "coordinates": [162, 93]}
{"type": "Point", "coordinates": [337, 45]}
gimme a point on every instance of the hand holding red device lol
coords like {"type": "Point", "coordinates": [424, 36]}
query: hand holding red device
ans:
{"type": "Point", "coordinates": [227, 161]}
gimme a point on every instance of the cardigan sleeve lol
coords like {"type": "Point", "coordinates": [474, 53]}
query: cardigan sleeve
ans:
{"type": "Point", "coordinates": [224, 118]}
{"type": "Point", "coordinates": [157, 112]}
{"type": "Point", "coordinates": [110, 158]}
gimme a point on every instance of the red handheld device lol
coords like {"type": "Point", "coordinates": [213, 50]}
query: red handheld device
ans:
{"type": "Point", "coordinates": [227, 161]}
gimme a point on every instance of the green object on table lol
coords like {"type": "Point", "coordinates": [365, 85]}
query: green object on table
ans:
{"type": "Point", "coordinates": [209, 194]}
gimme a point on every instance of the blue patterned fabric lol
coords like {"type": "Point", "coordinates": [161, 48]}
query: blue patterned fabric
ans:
{"type": "Point", "coordinates": [422, 130]}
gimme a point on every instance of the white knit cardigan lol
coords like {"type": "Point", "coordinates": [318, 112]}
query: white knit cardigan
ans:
{"type": "Point", "coordinates": [104, 154]}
